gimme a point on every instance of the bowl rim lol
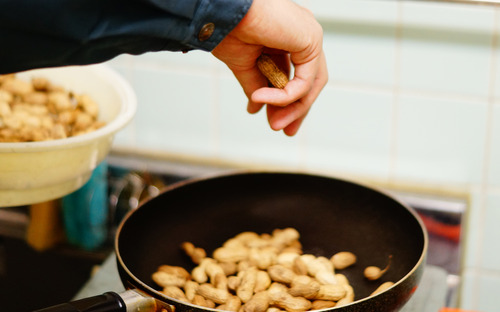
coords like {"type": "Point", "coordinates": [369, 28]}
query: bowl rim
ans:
{"type": "Point", "coordinates": [125, 114]}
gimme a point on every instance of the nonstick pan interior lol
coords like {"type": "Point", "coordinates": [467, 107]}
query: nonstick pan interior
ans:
{"type": "Point", "coordinates": [331, 215]}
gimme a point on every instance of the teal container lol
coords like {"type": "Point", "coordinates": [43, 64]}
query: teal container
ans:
{"type": "Point", "coordinates": [85, 211]}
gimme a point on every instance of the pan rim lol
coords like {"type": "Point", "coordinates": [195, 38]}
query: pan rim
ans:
{"type": "Point", "coordinates": [167, 299]}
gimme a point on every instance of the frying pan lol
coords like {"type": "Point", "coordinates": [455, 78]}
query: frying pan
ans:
{"type": "Point", "coordinates": [330, 214]}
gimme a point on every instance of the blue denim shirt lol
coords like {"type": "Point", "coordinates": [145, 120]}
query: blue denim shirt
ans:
{"type": "Point", "coordinates": [47, 33]}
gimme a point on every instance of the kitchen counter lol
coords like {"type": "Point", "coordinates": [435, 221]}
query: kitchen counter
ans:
{"type": "Point", "coordinates": [430, 295]}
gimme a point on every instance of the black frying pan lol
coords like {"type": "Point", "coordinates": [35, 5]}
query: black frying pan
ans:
{"type": "Point", "coordinates": [331, 215]}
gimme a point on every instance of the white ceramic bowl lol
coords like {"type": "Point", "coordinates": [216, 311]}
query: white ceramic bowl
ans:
{"type": "Point", "coordinates": [33, 172]}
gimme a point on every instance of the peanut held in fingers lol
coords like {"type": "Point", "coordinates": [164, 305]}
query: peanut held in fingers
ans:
{"type": "Point", "coordinates": [272, 72]}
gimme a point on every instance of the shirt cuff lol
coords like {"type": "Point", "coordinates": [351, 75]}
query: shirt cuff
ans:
{"type": "Point", "coordinates": [214, 20]}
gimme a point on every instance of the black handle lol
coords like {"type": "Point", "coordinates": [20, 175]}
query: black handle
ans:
{"type": "Point", "coordinates": [107, 302]}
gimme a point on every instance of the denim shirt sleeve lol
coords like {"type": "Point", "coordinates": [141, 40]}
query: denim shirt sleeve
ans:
{"type": "Point", "coordinates": [41, 33]}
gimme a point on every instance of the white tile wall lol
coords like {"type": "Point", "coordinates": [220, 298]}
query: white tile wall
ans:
{"type": "Point", "coordinates": [339, 134]}
{"type": "Point", "coordinates": [440, 140]}
{"type": "Point", "coordinates": [413, 99]}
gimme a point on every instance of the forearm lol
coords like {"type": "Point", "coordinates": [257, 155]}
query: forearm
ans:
{"type": "Point", "coordinates": [46, 33]}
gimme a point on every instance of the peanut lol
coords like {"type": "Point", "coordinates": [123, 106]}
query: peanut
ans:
{"type": "Point", "coordinates": [341, 279]}
{"type": "Point", "coordinates": [382, 287]}
{"type": "Point", "coordinates": [165, 279]}
{"type": "Point", "coordinates": [88, 105]}
{"type": "Point", "coordinates": [229, 268]}
{"type": "Point", "coordinates": [6, 96]}
{"type": "Point", "coordinates": [258, 303]}
{"type": "Point", "coordinates": [282, 238]}
{"type": "Point", "coordinates": [175, 270]}
{"type": "Point", "coordinates": [212, 268]}
{"type": "Point", "coordinates": [233, 304]}
{"type": "Point", "coordinates": [262, 282]}
{"type": "Point", "coordinates": [262, 257]}
{"type": "Point", "coordinates": [247, 285]}
{"type": "Point", "coordinates": [246, 237]}
{"type": "Point", "coordinates": [175, 292]}
{"type": "Point", "coordinates": [34, 111]}
{"type": "Point", "coordinates": [190, 288]}
{"type": "Point", "coordinates": [304, 286]}
{"type": "Point", "coordinates": [321, 268]}
{"type": "Point", "coordinates": [343, 259]}
{"type": "Point", "coordinates": [199, 274]}
{"type": "Point", "coordinates": [244, 265]}
{"type": "Point", "coordinates": [220, 281]}
{"type": "Point", "coordinates": [349, 296]}
{"type": "Point", "coordinates": [230, 254]}
{"type": "Point", "coordinates": [282, 299]}
{"type": "Point", "coordinates": [17, 87]}
{"type": "Point", "coordinates": [322, 304]}
{"type": "Point", "coordinates": [281, 274]}
{"type": "Point", "coordinates": [287, 259]}
{"type": "Point", "coordinates": [40, 84]}
{"type": "Point", "coordinates": [373, 273]}
{"type": "Point", "coordinates": [195, 253]}
{"type": "Point", "coordinates": [269, 69]}
{"type": "Point", "coordinates": [37, 98]}
{"type": "Point", "coordinates": [299, 267]}
{"type": "Point", "coordinates": [331, 292]}
{"type": "Point", "coordinates": [211, 293]}
{"type": "Point", "coordinates": [273, 309]}
{"type": "Point", "coordinates": [261, 273]}
{"type": "Point", "coordinates": [233, 282]}
{"type": "Point", "coordinates": [201, 301]}
{"type": "Point", "coordinates": [326, 277]}
{"type": "Point", "coordinates": [60, 101]}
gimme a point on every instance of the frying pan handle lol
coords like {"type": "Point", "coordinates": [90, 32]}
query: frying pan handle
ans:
{"type": "Point", "coordinates": [108, 302]}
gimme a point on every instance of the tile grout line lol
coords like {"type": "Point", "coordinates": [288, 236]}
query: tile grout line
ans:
{"type": "Point", "coordinates": [216, 133]}
{"type": "Point", "coordinates": [391, 175]}
{"type": "Point", "coordinates": [302, 135]}
{"type": "Point", "coordinates": [410, 92]}
{"type": "Point", "coordinates": [130, 69]}
{"type": "Point", "coordinates": [486, 158]}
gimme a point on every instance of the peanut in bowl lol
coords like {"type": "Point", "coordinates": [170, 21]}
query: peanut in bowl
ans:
{"type": "Point", "coordinates": [36, 171]}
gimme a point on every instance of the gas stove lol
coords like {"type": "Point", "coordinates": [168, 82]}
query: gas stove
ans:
{"type": "Point", "coordinates": [430, 296]}
{"type": "Point", "coordinates": [443, 217]}
{"type": "Point", "coordinates": [131, 178]}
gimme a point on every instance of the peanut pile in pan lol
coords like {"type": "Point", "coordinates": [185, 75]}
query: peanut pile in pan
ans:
{"type": "Point", "coordinates": [263, 273]}
{"type": "Point", "coordinates": [39, 111]}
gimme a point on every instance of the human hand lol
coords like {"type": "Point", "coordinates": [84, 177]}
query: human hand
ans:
{"type": "Point", "coordinates": [291, 35]}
